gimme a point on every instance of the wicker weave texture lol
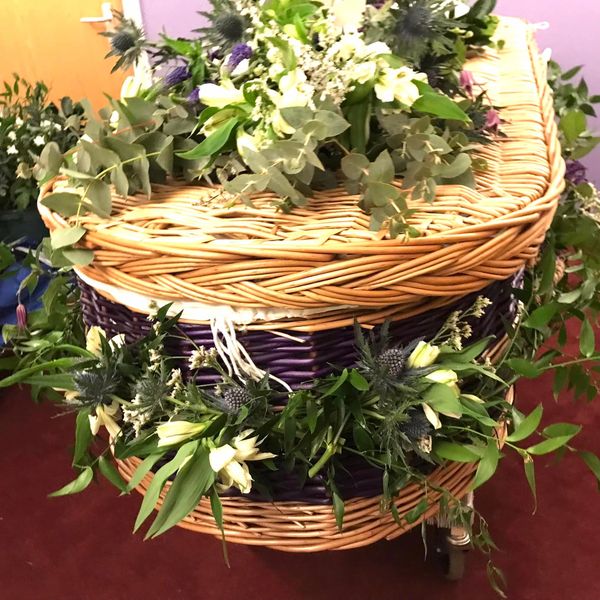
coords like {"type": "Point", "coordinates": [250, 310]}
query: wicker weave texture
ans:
{"type": "Point", "coordinates": [198, 244]}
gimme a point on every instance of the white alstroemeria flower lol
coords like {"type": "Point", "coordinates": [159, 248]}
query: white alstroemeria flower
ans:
{"type": "Point", "coordinates": [106, 416]}
{"type": "Point", "coordinates": [348, 14]}
{"type": "Point", "coordinates": [39, 140]}
{"type": "Point", "coordinates": [220, 96]}
{"type": "Point", "coordinates": [12, 150]}
{"type": "Point", "coordinates": [242, 68]}
{"type": "Point", "coordinates": [245, 143]}
{"type": "Point", "coordinates": [294, 92]}
{"type": "Point", "coordinates": [432, 416]}
{"type": "Point", "coordinates": [398, 84]}
{"type": "Point", "coordinates": [94, 336]}
{"type": "Point", "coordinates": [174, 432]}
{"type": "Point", "coordinates": [229, 461]}
{"type": "Point", "coordinates": [424, 355]}
{"type": "Point", "coordinates": [364, 72]}
{"type": "Point", "coordinates": [376, 49]}
{"type": "Point", "coordinates": [445, 376]}
{"type": "Point", "coordinates": [12, 136]}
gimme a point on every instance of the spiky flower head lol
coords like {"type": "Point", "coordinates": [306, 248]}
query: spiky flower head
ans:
{"type": "Point", "coordinates": [122, 41]}
{"type": "Point", "coordinates": [392, 362]}
{"type": "Point", "coordinates": [230, 27]}
{"type": "Point", "coordinates": [96, 386]}
{"type": "Point", "coordinates": [417, 427]}
{"type": "Point", "coordinates": [127, 41]}
{"type": "Point", "coordinates": [233, 398]}
{"type": "Point", "coordinates": [227, 26]}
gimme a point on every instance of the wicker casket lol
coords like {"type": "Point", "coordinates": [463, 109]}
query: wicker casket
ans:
{"type": "Point", "coordinates": [288, 287]}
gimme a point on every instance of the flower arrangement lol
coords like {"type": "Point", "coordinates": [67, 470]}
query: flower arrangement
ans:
{"type": "Point", "coordinates": [28, 122]}
{"type": "Point", "coordinates": [242, 107]}
{"type": "Point", "coordinates": [293, 96]}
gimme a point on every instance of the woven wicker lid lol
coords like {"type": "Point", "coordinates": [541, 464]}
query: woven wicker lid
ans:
{"type": "Point", "coordinates": [201, 245]}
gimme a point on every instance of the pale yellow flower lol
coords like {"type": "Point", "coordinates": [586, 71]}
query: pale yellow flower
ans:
{"type": "Point", "coordinates": [106, 416]}
{"type": "Point", "coordinates": [174, 432]}
{"type": "Point", "coordinates": [424, 355]}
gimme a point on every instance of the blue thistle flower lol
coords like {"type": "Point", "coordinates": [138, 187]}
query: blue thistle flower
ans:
{"type": "Point", "coordinates": [177, 75]}
{"type": "Point", "coordinates": [239, 53]}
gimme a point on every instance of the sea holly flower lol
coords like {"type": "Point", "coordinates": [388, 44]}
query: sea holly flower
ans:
{"type": "Point", "coordinates": [106, 416]}
{"type": "Point", "coordinates": [424, 355]}
{"type": "Point", "coordinates": [229, 461]}
{"type": "Point", "coordinates": [175, 432]}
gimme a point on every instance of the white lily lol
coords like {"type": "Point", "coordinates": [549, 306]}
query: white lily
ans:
{"type": "Point", "coordinates": [424, 355]}
{"type": "Point", "coordinates": [229, 461]}
{"type": "Point", "coordinates": [220, 96]}
{"type": "Point", "coordinates": [174, 432]}
{"type": "Point", "coordinates": [398, 84]}
{"type": "Point", "coordinates": [106, 416]}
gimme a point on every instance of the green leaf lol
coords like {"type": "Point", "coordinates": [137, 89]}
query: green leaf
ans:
{"type": "Point", "coordinates": [573, 123]}
{"type": "Point", "coordinates": [109, 470]}
{"type": "Point", "coordinates": [587, 340]}
{"type": "Point", "coordinates": [524, 367]}
{"type": "Point", "coordinates": [592, 462]}
{"type": "Point", "coordinates": [362, 438]}
{"type": "Point", "coordinates": [99, 195]}
{"type": "Point", "coordinates": [470, 353]}
{"type": "Point", "coordinates": [77, 485]}
{"type": "Point", "coordinates": [340, 379]}
{"type": "Point", "coordinates": [355, 165]}
{"type": "Point", "coordinates": [434, 103]}
{"type": "Point", "coordinates": [359, 117]}
{"type": "Point", "coordinates": [358, 381]}
{"type": "Point", "coordinates": [527, 426]}
{"type": "Point", "coordinates": [158, 481]}
{"type": "Point", "coordinates": [457, 167]}
{"type": "Point", "coordinates": [413, 515]}
{"type": "Point", "coordinates": [338, 509]}
{"type": "Point", "coordinates": [455, 452]}
{"type": "Point", "coordinates": [51, 159]}
{"type": "Point", "coordinates": [561, 430]}
{"type": "Point", "coordinates": [194, 479]}
{"type": "Point", "coordinates": [541, 316]}
{"type": "Point", "coordinates": [213, 143]}
{"type": "Point", "coordinates": [529, 467]}
{"type": "Point", "coordinates": [64, 203]}
{"type": "Point", "coordinates": [332, 123]}
{"type": "Point", "coordinates": [66, 237]}
{"type": "Point", "coordinates": [549, 445]}
{"type": "Point", "coordinates": [78, 256]}
{"type": "Point", "coordinates": [83, 436]}
{"type": "Point", "coordinates": [488, 464]}
{"type": "Point", "coordinates": [142, 470]}
{"type": "Point", "coordinates": [444, 399]}
{"type": "Point", "coordinates": [382, 168]}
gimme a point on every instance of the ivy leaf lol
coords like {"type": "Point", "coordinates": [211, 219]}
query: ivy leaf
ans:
{"type": "Point", "coordinates": [213, 143]}
{"type": "Point", "coordinates": [527, 426]}
{"type": "Point", "coordinates": [587, 340]}
{"type": "Point", "coordinates": [77, 485]}
{"type": "Point", "coordinates": [61, 238]}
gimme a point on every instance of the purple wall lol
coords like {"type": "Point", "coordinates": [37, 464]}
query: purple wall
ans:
{"type": "Point", "coordinates": [573, 34]}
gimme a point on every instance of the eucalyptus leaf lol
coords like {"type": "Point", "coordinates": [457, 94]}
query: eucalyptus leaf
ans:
{"type": "Point", "coordinates": [60, 238]}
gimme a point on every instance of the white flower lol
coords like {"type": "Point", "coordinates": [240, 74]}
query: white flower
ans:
{"type": "Point", "coordinates": [245, 143]}
{"type": "Point", "coordinates": [18, 121]}
{"type": "Point", "coordinates": [348, 14]}
{"type": "Point", "coordinates": [94, 336]}
{"type": "Point", "coordinates": [39, 140]}
{"type": "Point", "coordinates": [174, 432]}
{"type": "Point", "coordinates": [46, 123]}
{"type": "Point", "coordinates": [295, 92]}
{"type": "Point", "coordinates": [12, 136]}
{"type": "Point", "coordinates": [364, 72]}
{"type": "Point", "coordinates": [398, 84]}
{"type": "Point", "coordinates": [424, 355]}
{"type": "Point", "coordinates": [445, 376]}
{"type": "Point", "coordinates": [220, 95]}
{"type": "Point", "coordinates": [12, 150]}
{"type": "Point", "coordinates": [228, 461]}
{"type": "Point", "coordinates": [106, 416]}
{"type": "Point", "coordinates": [242, 68]}
{"type": "Point", "coordinates": [140, 81]}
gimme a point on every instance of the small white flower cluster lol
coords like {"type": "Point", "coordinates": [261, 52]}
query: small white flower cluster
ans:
{"type": "Point", "coordinates": [201, 357]}
{"type": "Point", "coordinates": [137, 416]}
{"type": "Point", "coordinates": [481, 303]}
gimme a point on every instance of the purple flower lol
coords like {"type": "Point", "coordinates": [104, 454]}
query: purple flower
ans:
{"type": "Point", "coordinates": [177, 75]}
{"type": "Point", "coordinates": [194, 96]}
{"type": "Point", "coordinates": [492, 121]}
{"type": "Point", "coordinates": [21, 314]}
{"type": "Point", "coordinates": [576, 172]}
{"type": "Point", "coordinates": [239, 53]}
{"type": "Point", "coordinates": [467, 82]}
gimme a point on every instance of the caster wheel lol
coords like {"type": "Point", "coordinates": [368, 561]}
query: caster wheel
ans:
{"type": "Point", "coordinates": [451, 557]}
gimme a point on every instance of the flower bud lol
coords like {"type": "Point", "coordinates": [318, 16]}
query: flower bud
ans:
{"type": "Point", "coordinates": [424, 355]}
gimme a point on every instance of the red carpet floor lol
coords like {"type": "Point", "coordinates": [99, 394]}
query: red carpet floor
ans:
{"type": "Point", "coordinates": [82, 548]}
